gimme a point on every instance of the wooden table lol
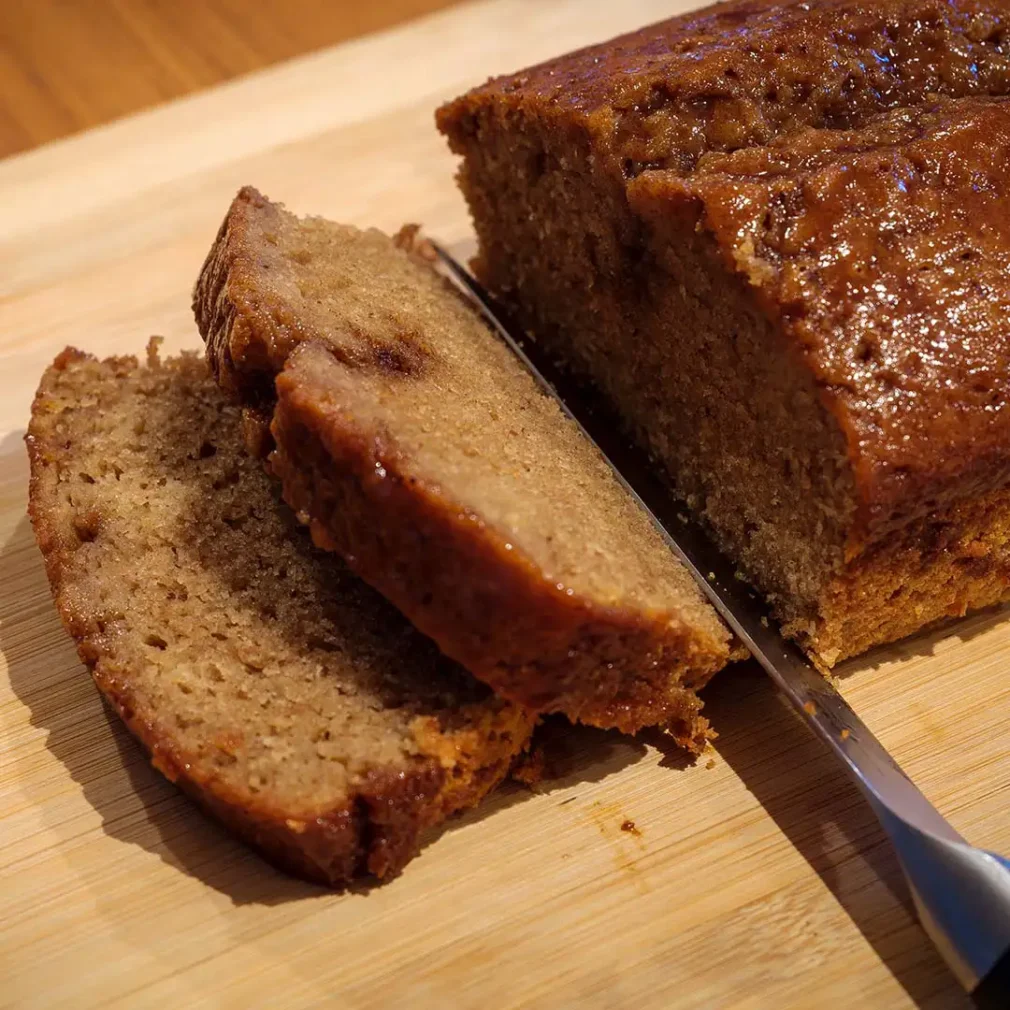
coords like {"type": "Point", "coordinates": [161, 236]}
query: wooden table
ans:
{"type": "Point", "coordinates": [761, 881]}
{"type": "Point", "coordinates": [66, 66]}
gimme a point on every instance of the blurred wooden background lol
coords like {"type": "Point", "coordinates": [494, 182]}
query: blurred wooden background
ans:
{"type": "Point", "coordinates": [66, 65]}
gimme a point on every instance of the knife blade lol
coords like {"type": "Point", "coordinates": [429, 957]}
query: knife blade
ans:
{"type": "Point", "coordinates": [961, 894]}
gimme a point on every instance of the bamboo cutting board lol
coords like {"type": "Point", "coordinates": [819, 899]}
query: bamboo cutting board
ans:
{"type": "Point", "coordinates": [756, 879]}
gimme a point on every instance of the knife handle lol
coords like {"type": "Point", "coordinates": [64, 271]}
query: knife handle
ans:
{"type": "Point", "coordinates": [962, 896]}
{"type": "Point", "coordinates": [993, 992]}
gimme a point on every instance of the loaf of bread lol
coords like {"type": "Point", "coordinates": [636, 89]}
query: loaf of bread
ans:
{"type": "Point", "coordinates": [416, 445]}
{"type": "Point", "coordinates": [289, 699]}
{"type": "Point", "coordinates": [775, 236]}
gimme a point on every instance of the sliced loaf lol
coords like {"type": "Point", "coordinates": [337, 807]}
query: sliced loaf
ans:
{"type": "Point", "coordinates": [774, 235]}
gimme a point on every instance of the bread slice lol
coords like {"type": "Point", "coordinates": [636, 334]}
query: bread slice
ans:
{"type": "Point", "coordinates": [416, 445]}
{"type": "Point", "coordinates": [285, 696]}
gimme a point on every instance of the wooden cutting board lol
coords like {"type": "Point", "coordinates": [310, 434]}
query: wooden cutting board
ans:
{"type": "Point", "coordinates": [754, 879]}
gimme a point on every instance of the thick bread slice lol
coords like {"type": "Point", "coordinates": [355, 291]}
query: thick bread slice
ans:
{"type": "Point", "coordinates": [417, 447]}
{"type": "Point", "coordinates": [284, 695]}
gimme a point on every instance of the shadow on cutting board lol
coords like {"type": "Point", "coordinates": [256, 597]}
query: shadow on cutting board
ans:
{"type": "Point", "coordinates": [564, 756]}
{"type": "Point", "coordinates": [809, 796]}
{"type": "Point", "coordinates": [137, 805]}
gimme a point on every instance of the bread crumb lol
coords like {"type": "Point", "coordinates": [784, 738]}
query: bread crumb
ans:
{"type": "Point", "coordinates": [530, 768]}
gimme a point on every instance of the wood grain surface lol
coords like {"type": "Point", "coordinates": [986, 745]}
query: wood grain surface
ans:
{"type": "Point", "coordinates": [759, 881]}
{"type": "Point", "coordinates": [66, 65]}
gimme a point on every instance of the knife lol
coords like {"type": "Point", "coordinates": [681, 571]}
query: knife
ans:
{"type": "Point", "coordinates": [961, 894]}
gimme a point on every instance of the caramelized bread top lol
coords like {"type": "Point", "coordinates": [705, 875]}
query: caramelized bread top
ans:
{"type": "Point", "coordinates": [742, 73]}
{"type": "Point", "coordinates": [882, 252]}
